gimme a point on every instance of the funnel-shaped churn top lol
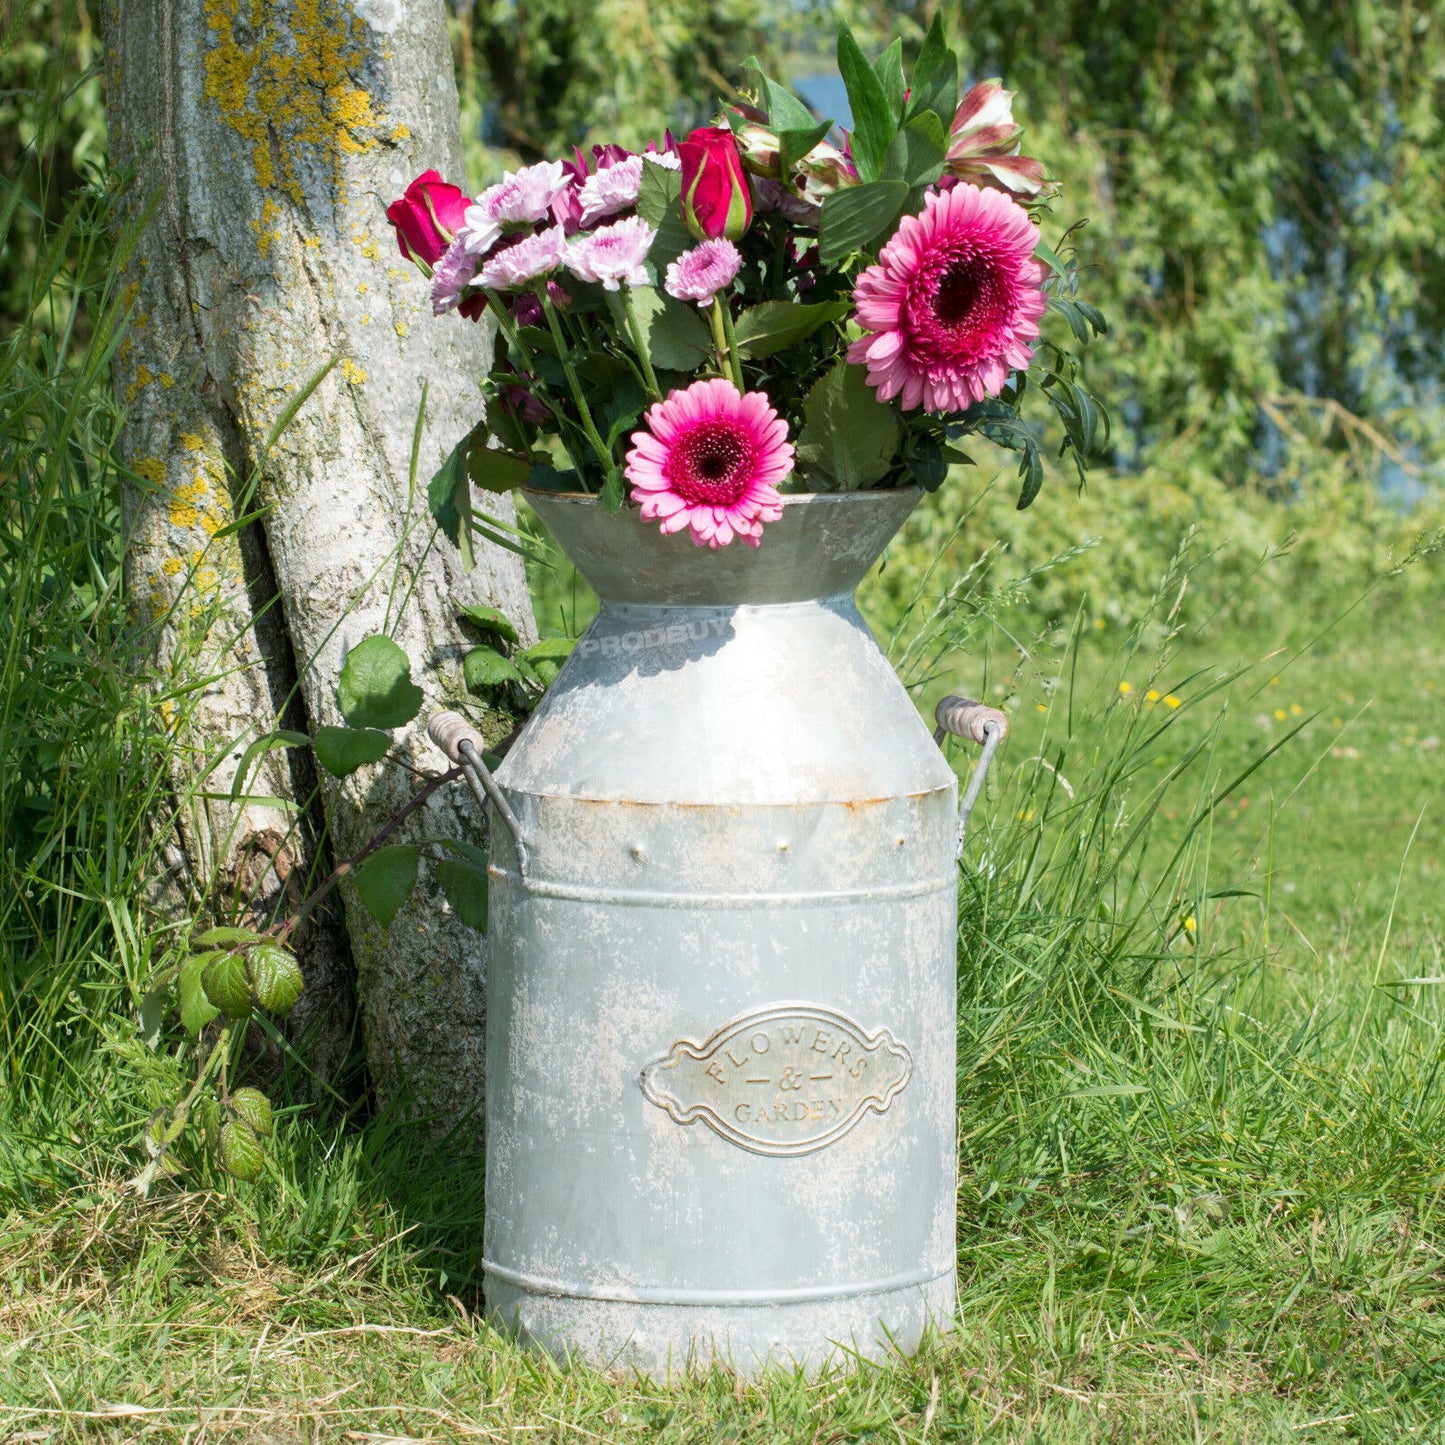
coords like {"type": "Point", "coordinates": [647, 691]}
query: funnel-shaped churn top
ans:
{"type": "Point", "coordinates": [822, 546]}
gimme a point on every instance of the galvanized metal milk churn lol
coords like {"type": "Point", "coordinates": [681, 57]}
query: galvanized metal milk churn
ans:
{"type": "Point", "coordinates": [720, 1070]}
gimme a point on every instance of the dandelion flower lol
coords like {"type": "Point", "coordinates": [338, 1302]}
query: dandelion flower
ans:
{"type": "Point", "coordinates": [1126, 688]}
{"type": "Point", "coordinates": [711, 459]}
{"type": "Point", "coordinates": [953, 302]}
{"type": "Point", "coordinates": [1170, 700]}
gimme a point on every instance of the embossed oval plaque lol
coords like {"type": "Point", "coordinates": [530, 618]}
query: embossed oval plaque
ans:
{"type": "Point", "coordinates": [786, 1079]}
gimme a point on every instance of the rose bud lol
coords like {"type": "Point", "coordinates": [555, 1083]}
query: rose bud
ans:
{"type": "Point", "coordinates": [716, 200]}
{"type": "Point", "coordinates": [427, 218]}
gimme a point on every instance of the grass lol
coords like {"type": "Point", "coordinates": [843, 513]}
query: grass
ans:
{"type": "Point", "coordinates": [1200, 1040]}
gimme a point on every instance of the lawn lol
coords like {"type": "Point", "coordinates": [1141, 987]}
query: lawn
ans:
{"type": "Point", "coordinates": [1200, 1118]}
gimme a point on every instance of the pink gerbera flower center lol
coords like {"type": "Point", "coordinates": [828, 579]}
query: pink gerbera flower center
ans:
{"type": "Point", "coordinates": [958, 304]}
{"type": "Point", "coordinates": [713, 464]}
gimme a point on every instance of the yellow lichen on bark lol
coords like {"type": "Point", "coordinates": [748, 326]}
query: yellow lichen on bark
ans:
{"type": "Point", "coordinates": [283, 75]}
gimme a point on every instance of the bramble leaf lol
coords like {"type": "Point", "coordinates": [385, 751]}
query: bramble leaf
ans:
{"type": "Point", "coordinates": [341, 751]}
{"type": "Point", "coordinates": [384, 881]}
{"type": "Point", "coordinates": [375, 689]}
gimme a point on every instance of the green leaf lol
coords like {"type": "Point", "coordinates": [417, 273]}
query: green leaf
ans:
{"type": "Point", "coordinates": [226, 985]}
{"type": "Point", "coordinates": [153, 1010]}
{"type": "Point", "coordinates": [505, 425]}
{"type": "Point", "coordinates": [341, 751]}
{"type": "Point", "coordinates": [385, 880]}
{"type": "Point", "coordinates": [253, 1108]}
{"type": "Point", "coordinates": [466, 890]}
{"type": "Point", "coordinates": [449, 497]}
{"type": "Point", "coordinates": [916, 155]}
{"type": "Point", "coordinates": [768, 328]}
{"type": "Point", "coordinates": [613, 492]}
{"type": "Point", "coordinates": [547, 656]}
{"type": "Point", "coordinates": [1049, 257]}
{"type": "Point", "coordinates": [793, 145]}
{"type": "Point", "coordinates": [265, 744]}
{"type": "Point", "coordinates": [486, 667]}
{"type": "Point", "coordinates": [935, 76]}
{"type": "Point", "coordinates": [852, 217]}
{"type": "Point", "coordinates": [874, 121]}
{"type": "Point", "coordinates": [889, 70]}
{"type": "Point", "coordinates": [1031, 469]}
{"type": "Point", "coordinates": [677, 337]}
{"type": "Point", "coordinates": [849, 438]}
{"type": "Point", "coordinates": [545, 478]}
{"type": "Point", "coordinates": [658, 203]}
{"type": "Point", "coordinates": [490, 619]}
{"type": "Point", "coordinates": [784, 110]}
{"type": "Point", "coordinates": [227, 937]}
{"type": "Point", "coordinates": [241, 1154]}
{"type": "Point", "coordinates": [375, 689]}
{"type": "Point", "coordinates": [196, 1009]}
{"type": "Point", "coordinates": [494, 470]}
{"type": "Point", "coordinates": [275, 977]}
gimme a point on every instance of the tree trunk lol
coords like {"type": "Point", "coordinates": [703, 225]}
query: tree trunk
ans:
{"type": "Point", "coordinates": [272, 133]}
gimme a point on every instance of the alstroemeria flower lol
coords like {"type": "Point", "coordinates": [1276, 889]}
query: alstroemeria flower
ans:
{"type": "Point", "coordinates": [984, 143]}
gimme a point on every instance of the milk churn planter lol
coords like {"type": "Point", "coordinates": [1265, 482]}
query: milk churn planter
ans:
{"type": "Point", "coordinates": [722, 880]}
{"type": "Point", "coordinates": [721, 971]}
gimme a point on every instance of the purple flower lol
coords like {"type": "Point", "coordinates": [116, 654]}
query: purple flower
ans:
{"type": "Point", "coordinates": [698, 275]}
{"type": "Point", "coordinates": [612, 254]}
{"type": "Point", "coordinates": [525, 196]}
{"type": "Point", "coordinates": [533, 256]}
{"type": "Point", "coordinates": [613, 188]}
{"type": "Point", "coordinates": [452, 275]}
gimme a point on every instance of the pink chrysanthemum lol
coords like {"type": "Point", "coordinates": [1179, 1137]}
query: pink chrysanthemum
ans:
{"type": "Point", "coordinates": [711, 459]}
{"type": "Point", "coordinates": [611, 189]}
{"type": "Point", "coordinates": [533, 256]}
{"type": "Point", "coordinates": [526, 195]}
{"type": "Point", "coordinates": [612, 254]}
{"type": "Point", "coordinates": [953, 302]}
{"type": "Point", "coordinates": [452, 275]}
{"type": "Point", "coordinates": [698, 275]}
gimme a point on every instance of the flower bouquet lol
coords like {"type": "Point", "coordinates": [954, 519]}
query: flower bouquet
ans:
{"type": "Point", "coordinates": [757, 309]}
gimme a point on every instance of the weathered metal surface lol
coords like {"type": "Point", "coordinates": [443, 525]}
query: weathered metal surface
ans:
{"type": "Point", "coordinates": [740, 841]}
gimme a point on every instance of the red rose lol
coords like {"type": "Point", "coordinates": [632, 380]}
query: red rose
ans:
{"type": "Point", "coordinates": [716, 200]}
{"type": "Point", "coordinates": [426, 218]}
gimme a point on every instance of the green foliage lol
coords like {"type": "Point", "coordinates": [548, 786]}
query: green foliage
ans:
{"type": "Point", "coordinates": [375, 689]}
{"type": "Point", "coordinates": [275, 978]}
{"type": "Point", "coordinates": [1266, 203]}
{"type": "Point", "coordinates": [384, 880]}
{"type": "Point", "coordinates": [557, 74]}
{"type": "Point", "coordinates": [341, 751]}
{"type": "Point", "coordinates": [848, 437]}
{"type": "Point", "coordinates": [52, 144]}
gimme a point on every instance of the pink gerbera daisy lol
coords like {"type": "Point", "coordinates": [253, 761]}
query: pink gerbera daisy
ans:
{"type": "Point", "coordinates": [711, 460]}
{"type": "Point", "coordinates": [953, 302]}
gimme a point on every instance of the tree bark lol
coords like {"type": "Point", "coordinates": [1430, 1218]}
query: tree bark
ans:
{"type": "Point", "coordinates": [272, 133]}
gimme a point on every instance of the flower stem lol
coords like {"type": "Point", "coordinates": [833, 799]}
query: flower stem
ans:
{"type": "Point", "coordinates": [599, 446]}
{"type": "Point", "coordinates": [725, 342]}
{"type": "Point", "coordinates": [639, 343]}
{"type": "Point", "coordinates": [734, 360]}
